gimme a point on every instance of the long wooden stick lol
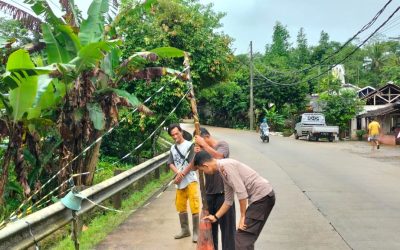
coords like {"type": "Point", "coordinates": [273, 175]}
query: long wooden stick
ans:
{"type": "Point", "coordinates": [186, 63]}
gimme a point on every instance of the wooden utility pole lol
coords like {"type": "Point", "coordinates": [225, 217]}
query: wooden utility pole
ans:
{"type": "Point", "coordinates": [251, 109]}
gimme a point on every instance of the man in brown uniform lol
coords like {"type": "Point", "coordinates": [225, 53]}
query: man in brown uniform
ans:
{"type": "Point", "coordinates": [254, 193]}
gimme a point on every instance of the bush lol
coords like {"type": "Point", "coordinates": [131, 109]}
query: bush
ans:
{"type": "Point", "coordinates": [287, 132]}
{"type": "Point", "coordinates": [360, 133]}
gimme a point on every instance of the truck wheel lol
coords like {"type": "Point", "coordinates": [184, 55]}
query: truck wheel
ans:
{"type": "Point", "coordinates": [317, 138]}
{"type": "Point", "coordinates": [331, 139]}
{"type": "Point", "coordinates": [296, 136]}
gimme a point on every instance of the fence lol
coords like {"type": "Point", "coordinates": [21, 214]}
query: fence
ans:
{"type": "Point", "coordinates": [35, 227]}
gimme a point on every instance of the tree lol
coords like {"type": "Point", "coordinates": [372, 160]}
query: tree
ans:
{"type": "Point", "coordinates": [73, 91]}
{"type": "Point", "coordinates": [340, 108]}
{"type": "Point", "coordinates": [323, 48]}
{"type": "Point", "coordinates": [301, 54]}
{"type": "Point", "coordinates": [187, 25]}
{"type": "Point", "coordinates": [280, 41]}
{"type": "Point", "coordinates": [227, 104]}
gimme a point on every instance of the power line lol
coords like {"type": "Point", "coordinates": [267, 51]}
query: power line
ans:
{"type": "Point", "coordinates": [364, 28]}
{"type": "Point", "coordinates": [337, 63]}
{"type": "Point", "coordinates": [158, 127]}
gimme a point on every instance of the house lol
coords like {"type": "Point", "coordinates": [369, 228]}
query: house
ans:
{"type": "Point", "coordinates": [365, 91]}
{"type": "Point", "coordinates": [384, 104]}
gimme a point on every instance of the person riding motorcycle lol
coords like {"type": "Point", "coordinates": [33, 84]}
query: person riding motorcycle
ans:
{"type": "Point", "coordinates": [264, 130]}
{"type": "Point", "coordinates": [263, 126]}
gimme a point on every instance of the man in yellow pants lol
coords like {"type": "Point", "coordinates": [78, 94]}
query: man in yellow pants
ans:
{"type": "Point", "coordinates": [181, 154]}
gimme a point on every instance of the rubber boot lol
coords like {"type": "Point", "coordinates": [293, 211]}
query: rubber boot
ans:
{"type": "Point", "coordinates": [184, 220]}
{"type": "Point", "coordinates": [195, 219]}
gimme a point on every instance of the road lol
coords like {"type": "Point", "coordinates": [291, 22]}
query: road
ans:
{"type": "Point", "coordinates": [337, 195]}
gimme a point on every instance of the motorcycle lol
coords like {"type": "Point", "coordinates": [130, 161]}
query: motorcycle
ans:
{"type": "Point", "coordinates": [265, 134]}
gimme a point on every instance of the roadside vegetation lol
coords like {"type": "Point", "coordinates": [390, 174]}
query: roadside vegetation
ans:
{"type": "Point", "coordinates": [66, 81]}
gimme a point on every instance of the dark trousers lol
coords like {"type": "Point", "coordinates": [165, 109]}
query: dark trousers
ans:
{"type": "Point", "coordinates": [256, 216]}
{"type": "Point", "coordinates": [227, 223]}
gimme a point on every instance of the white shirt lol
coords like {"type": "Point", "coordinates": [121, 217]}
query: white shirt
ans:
{"type": "Point", "coordinates": [181, 164]}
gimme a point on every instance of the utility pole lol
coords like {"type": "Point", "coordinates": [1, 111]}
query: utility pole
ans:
{"type": "Point", "coordinates": [251, 110]}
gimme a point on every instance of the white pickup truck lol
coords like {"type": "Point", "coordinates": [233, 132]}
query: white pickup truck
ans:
{"type": "Point", "coordinates": [312, 126]}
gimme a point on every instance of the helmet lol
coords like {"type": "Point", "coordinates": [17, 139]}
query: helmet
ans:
{"type": "Point", "coordinates": [264, 120]}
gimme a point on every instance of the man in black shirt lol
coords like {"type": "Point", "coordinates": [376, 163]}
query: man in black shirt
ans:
{"type": "Point", "coordinates": [215, 191]}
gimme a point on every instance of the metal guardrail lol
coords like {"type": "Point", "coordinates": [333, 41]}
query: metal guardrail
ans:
{"type": "Point", "coordinates": [35, 227]}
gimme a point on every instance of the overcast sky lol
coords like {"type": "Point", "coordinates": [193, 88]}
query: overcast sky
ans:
{"type": "Point", "coordinates": [253, 20]}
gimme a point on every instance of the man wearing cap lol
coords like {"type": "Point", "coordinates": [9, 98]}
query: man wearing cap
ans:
{"type": "Point", "coordinates": [255, 194]}
{"type": "Point", "coordinates": [215, 190]}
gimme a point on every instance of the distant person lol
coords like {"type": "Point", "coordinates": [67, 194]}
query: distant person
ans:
{"type": "Point", "coordinates": [374, 130]}
{"type": "Point", "coordinates": [215, 191]}
{"type": "Point", "coordinates": [181, 154]}
{"type": "Point", "coordinates": [263, 125]}
{"type": "Point", "coordinates": [255, 194]}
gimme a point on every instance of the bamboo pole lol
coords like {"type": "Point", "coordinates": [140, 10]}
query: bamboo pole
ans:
{"type": "Point", "coordinates": [192, 98]}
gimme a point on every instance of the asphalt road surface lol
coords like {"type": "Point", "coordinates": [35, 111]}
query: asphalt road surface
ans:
{"type": "Point", "coordinates": [339, 195]}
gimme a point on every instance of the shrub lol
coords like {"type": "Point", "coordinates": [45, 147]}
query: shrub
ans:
{"type": "Point", "coordinates": [360, 133]}
{"type": "Point", "coordinates": [287, 132]}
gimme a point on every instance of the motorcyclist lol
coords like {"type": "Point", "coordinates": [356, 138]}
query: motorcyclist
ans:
{"type": "Point", "coordinates": [263, 126]}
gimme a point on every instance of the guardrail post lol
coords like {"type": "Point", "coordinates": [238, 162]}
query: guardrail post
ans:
{"type": "Point", "coordinates": [117, 199]}
{"type": "Point", "coordinates": [75, 229]}
{"type": "Point", "coordinates": [157, 173]}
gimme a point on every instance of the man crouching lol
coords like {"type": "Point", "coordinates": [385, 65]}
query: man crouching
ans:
{"type": "Point", "coordinates": [255, 194]}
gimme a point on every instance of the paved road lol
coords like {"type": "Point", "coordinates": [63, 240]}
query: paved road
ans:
{"type": "Point", "coordinates": [329, 196]}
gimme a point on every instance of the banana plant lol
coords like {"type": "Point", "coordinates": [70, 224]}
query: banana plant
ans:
{"type": "Point", "coordinates": [73, 89]}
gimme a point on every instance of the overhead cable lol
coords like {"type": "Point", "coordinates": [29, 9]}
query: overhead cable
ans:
{"type": "Point", "coordinates": [337, 63]}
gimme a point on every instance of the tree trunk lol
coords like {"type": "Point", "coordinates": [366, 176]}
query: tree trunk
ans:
{"type": "Point", "coordinates": [91, 163]}
{"type": "Point", "coordinates": [15, 141]}
{"type": "Point", "coordinates": [4, 172]}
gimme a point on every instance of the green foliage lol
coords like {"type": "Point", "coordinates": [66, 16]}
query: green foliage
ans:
{"type": "Point", "coordinates": [97, 116]}
{"type": "Point", "coordinates": [168, 52]}
{"type": "Point", "coordinates": [339, 109]}
{"type": "Point", "coordinates": [12, 29]}
{"type": "Point", "coordinates": [280, 42]}
{"type": "Point", "coordinates": [275, 120]}
{"type": "Point", "coordinates": [137, 126]}
{"type": "Point", "coordinates": [92, 28]}
{"type": "Point", "coordinates": [60, 102]}
{"type": "Point", "coordinates": [360, 133]}
{"type": "Point", "coordinates": [227, 103]}
{"type": "Point", "coordinates": [22, 97]}
{"type": "Point", "coordinates": [185, 25]}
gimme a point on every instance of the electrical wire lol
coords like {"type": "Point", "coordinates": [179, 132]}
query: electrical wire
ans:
{"type": "Point", "coordinates": [158, 127]}
{"type": "Point", "coordinates": [337, 63]}
{"type": "Point", "coordinates": [14, 213]}
{"type": "Point", "coordinates": [364, 28]}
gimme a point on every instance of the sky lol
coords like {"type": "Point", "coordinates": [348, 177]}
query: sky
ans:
{"type": "Point", "coordinates": [253, 20]}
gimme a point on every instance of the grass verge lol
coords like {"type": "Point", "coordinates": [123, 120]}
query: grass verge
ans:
{"type": "Point", "coordinates": [102, 225]}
